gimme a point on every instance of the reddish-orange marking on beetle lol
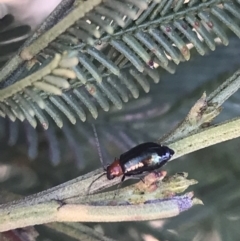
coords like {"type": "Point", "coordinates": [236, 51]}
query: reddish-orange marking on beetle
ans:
{"type": "Point", "coordinates": [114, 170]}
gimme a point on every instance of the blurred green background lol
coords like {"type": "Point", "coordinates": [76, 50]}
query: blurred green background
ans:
{"type": "Point", "coordinates": [39, 160]}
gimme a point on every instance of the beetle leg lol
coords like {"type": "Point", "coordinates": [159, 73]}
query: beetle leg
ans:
{"type": "Point", "coordinates": [141, 178]}
{"type": "Point", "coordinates": [118, 189]}
{"type": "Point", "coordinates": [119, 186]}
{"type": "Point", "coordinates": [138, 177]}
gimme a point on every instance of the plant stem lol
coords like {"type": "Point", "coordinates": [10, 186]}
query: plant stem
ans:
{"type": "Point", "coordinates": [208, 137]}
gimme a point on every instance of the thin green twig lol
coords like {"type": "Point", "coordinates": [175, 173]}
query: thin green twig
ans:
{"type": "Point", "coordinates": [204, 111]}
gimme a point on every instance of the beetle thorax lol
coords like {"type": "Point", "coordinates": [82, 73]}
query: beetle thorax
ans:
{"type": "Point", "coordinates": [114, 170]}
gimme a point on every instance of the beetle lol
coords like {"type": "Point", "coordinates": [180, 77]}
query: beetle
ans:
{"type": "Point", "coordinates": [142, 158]}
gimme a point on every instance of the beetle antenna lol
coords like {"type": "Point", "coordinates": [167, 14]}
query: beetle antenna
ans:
{"type": "Point", "coordinates": [88, 191]}
{"type": "Point", "coordinates": [98, 145]}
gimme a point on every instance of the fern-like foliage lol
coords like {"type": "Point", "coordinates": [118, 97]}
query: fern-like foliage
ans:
{"type": "Point", "coordinates": [120, 46]}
